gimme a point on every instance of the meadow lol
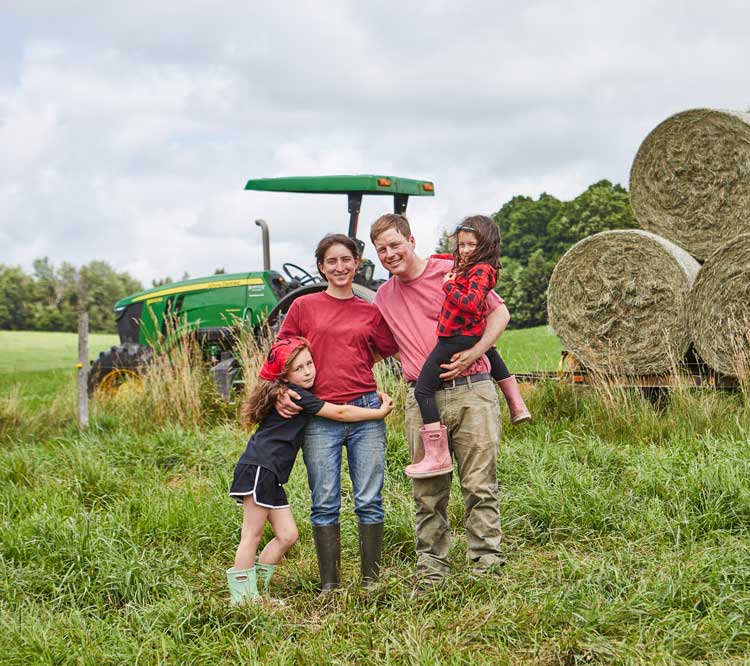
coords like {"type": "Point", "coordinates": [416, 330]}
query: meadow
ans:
{"type": "Point", "coordinates": [626, 529]}
{"type": "Point", "coordinates": [36, 364]}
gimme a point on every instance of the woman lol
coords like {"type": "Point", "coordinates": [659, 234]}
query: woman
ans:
{"type": "Point", "coordinates": [345, 334]}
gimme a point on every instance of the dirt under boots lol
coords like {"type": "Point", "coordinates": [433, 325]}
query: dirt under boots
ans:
{"type": "Point", "coordinates": [437, 457]}
{"type": "Point", "coordinates": [517, 407]}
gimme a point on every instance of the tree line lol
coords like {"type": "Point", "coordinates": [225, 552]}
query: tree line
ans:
{"type": "Point", "coordinates": [535, 233]}
{"type": "Point", "coordinates": [50, 298]}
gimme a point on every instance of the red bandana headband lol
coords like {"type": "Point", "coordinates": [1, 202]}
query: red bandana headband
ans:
{"type": "Point", "coordinates": [278, 355]}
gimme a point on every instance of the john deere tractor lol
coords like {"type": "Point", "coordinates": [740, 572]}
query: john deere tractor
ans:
{"type": "Point", "coordinates": [214, 307]}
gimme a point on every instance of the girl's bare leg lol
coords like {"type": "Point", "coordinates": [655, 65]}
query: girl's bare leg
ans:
{"type": "Point", "coordinates": [285, 536]}
{"type": "Point", "coordinates": [253, 519]}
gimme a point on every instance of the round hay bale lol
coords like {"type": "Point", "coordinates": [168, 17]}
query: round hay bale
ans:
{"type": "Point", "coordinates": [720, 308]}
{"type": "Point", "coordinates": [690, 180]}
{"type": "Point", "coordinates": [618, 301]}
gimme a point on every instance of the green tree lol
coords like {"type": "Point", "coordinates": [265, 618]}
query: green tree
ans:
{"type": "Point", "coordinates": [536, 233]}
{"type": "Point", "coordinates": [524, 289]}
{"type": "Point", "coordinates": [601, 207]}
{"type": "Point", "coordinates": [52, 299]}
{"type": "Point", "coordinates": [16, 298]}
{"type": "Point", "coordinates": [100, 288]}
{"type": "Point", "coordinates": [523, 225]}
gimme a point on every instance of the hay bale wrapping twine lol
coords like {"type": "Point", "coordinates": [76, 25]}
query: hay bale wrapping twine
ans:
{"type": "Point", "coordinates": [720, 308]}
{"type": "Point", "coordinates": [618, 301]}
{"type": "Point", "coordinates": [690, 179]}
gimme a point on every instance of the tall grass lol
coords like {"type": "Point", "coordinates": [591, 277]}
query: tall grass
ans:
{"type": "Point", "coordinates": [627, 527]}
{"type": "Point", "coordinates": [176, 387]}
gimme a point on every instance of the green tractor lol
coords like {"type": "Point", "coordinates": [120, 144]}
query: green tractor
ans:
{"type": "Point", "coordinates": [214, 307]}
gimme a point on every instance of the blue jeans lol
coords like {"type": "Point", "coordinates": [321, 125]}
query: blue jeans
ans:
{"type": "Point", "coordinates": [365, 451]}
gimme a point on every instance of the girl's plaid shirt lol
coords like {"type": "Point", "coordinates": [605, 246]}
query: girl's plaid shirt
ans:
{"type": "Point", "coordinates": [463, 310]}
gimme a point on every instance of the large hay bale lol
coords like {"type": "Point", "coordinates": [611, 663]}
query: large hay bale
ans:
{"type": "Point", "coordinates": [690, 180]}
{"type": "Point", "coordinates": [618, 301]}
{"type": "Point", "coordinates": [720, 308]}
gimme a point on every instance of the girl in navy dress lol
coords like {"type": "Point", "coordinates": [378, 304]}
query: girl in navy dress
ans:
{"type": "Point", "coordinates": [264, 467]}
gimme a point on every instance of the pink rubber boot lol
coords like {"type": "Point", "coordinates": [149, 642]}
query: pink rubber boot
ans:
{"type": "Point", "coordinates": [517, 407]}
{"type": "Point", "coordinates": [437, 458]}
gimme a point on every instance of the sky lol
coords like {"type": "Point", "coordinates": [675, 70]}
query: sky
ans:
{"type": "Point", "coordinates": [128, 130]}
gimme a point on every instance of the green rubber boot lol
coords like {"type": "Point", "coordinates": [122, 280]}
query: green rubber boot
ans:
{"type": "Point", "coordinates": [265, 572]}
{"type": "Point", "coordinates": [370, 550]}
{"type": "Point", "coordinates": [243, 587]}
{"type": "Point", "coordinates": [264, 575]}
{"type": "Point", "coordinates": [328, 549]}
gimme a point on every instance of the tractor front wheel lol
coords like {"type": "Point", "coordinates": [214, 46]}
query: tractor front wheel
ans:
{"type": "Point", "coordinates": [118, 365]}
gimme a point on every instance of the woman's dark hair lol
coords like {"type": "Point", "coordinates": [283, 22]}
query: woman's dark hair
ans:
{"type": "Point", "coordinates": [488, 242]}
{"type": "Point", "coordinates": [333, 239]}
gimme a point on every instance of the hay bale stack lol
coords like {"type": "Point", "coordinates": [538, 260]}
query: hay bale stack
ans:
{"type": "Point", "coordinates": [618, 301]}
{"type": "Point", "coordinates": [690, 180]}
{"type": "Point", "coordinates": [720, 308]}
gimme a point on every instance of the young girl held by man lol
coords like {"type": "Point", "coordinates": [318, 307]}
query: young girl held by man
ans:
{"type": "Point", "coordinates": [267, 462]}
{"type": "Point", "coordinates": [461, 324]}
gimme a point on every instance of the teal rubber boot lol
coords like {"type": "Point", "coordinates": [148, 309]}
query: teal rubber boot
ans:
{"type": "Point", "coordinates": [264, 575]}
{"type": "Point", "coordinates": [243, 586]}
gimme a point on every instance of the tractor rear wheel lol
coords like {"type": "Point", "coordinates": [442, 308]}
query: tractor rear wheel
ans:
{"type": "Point", "coordinates": [120, 364]}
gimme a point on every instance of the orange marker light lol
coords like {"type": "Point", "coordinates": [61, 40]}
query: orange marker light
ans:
{"type": "Point", "coordinates": [384, 182]}
{"type": "Point", "coordinates": [428, 187]}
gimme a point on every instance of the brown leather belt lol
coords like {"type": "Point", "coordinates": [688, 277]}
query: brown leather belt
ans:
{"type": "Point", "coordinates": [460, 381]}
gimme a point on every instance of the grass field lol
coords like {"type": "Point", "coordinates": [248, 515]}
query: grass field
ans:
{"type": "Point", "coordinates": [530, 349]}
{"type": "Point", "coordinates": [23, 351]}
{"type": "Point", "coordinates": [36, 365]}
{"type": "Point", "coordinates": [627, 529]}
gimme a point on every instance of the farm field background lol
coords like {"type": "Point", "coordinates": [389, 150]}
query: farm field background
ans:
{"type": "Point", "coordinates": [38, 363]}
{"type": "Point", "coordinates": [627, 530]}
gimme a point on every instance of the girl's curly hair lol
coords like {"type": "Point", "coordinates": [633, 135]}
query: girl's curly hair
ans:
{"type": "Point", "coordinates": [264, 394]}
{"type": "Point", "coordinates": [488, 243]}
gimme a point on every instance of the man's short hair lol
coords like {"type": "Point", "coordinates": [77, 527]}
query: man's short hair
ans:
{"type": "Point", "coordinates": [390, 221]}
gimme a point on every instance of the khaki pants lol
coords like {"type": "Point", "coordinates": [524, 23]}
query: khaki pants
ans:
{"type": "Point", "coordinates": [472, 416]}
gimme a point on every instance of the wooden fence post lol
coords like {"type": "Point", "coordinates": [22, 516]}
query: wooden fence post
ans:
{"type": "Point", "coordinates": [83, 370]}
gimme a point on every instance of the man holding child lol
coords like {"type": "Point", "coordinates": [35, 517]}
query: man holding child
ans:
{"type": "Point", "coordinates": [410, 303]}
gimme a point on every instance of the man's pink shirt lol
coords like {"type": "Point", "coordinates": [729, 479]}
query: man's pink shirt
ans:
{"type": "Point", "coordinates": [411, 309]}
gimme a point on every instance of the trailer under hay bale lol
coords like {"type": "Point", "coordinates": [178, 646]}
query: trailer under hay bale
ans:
{"type": "Point", "coordinates": [719, 309]}
{"type": "Point", "coordinates": [618, 301]}
{"type": "Point", "coordinates": [690, 180]}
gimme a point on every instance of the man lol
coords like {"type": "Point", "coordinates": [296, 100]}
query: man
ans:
{"type": "Point", "coordinates": [410, 302]}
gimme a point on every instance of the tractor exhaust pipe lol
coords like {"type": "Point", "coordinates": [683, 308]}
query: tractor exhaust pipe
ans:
{"type": "Point", "coordinates": [266, 245]}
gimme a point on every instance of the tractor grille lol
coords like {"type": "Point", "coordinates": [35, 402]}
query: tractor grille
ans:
{"type": "Point", "coordinates": [129, 323]}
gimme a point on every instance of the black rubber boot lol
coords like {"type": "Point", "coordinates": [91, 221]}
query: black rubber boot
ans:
{"type": "Point", "coordinates": [370, 549]}
{"type": "Point", "coordinates": [328, 549]}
